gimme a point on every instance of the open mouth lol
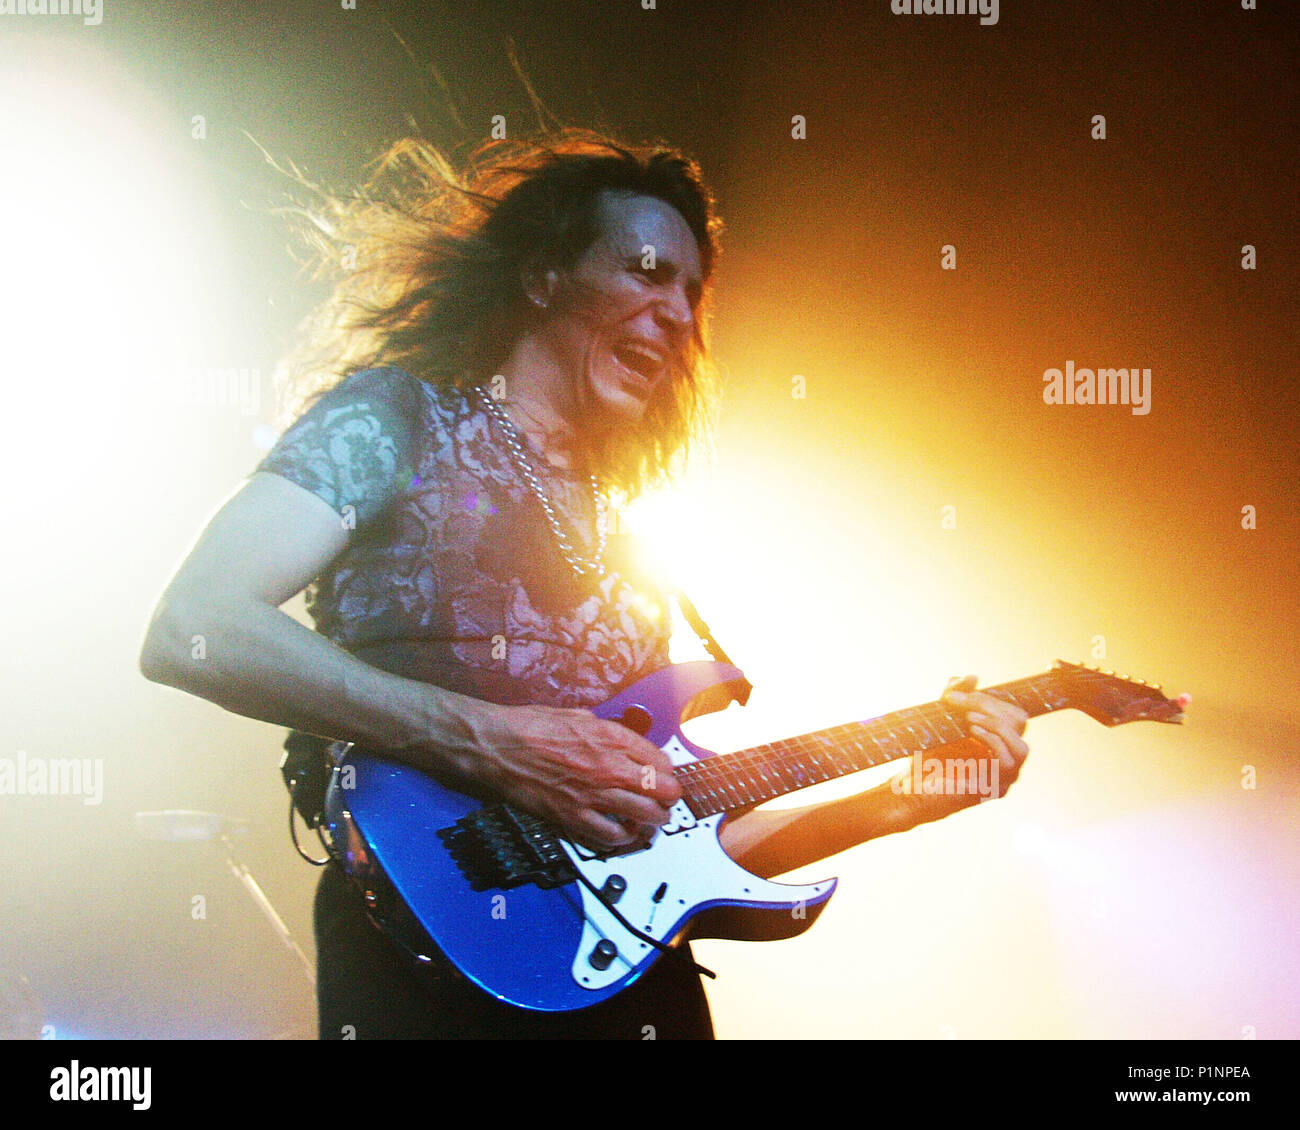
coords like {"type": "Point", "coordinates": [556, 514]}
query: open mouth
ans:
{"type": "Point", "coordinates": [638, 361]}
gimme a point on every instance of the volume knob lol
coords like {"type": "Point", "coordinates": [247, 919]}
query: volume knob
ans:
{"type": "Point", "coordinates": [603, 955]}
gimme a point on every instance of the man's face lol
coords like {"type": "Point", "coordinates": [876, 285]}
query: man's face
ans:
{"type": "Point", "coordinates": [632, 314]}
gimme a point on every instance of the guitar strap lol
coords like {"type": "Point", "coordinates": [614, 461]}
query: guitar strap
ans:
{"type": "Point", "coordinates": [711, 645]}
{"type": "Point", "coordinates": [641, 564]}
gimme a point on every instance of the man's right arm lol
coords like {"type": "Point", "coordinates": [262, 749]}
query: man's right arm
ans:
{"type": "Point", "coordinates": [218, 632]}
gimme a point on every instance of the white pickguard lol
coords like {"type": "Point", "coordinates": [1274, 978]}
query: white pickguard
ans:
{"type": "Point", "coordinates": [689, 863]}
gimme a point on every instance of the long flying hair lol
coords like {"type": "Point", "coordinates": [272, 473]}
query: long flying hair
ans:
{"type": "Point", "coordinates": [429, 263]}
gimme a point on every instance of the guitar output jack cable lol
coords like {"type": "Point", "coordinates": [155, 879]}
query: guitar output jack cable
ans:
{"type": "Point", "coordinates": [293, 833]}
{"type": "Point", "coordinates": [676, 954]}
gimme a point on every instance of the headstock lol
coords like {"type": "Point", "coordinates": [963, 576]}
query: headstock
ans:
{"type": "Point", "coordinates": [1112, 699]}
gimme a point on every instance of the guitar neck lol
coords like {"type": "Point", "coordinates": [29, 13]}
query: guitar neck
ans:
{"type": "Point", "coordinates": [750, 776]}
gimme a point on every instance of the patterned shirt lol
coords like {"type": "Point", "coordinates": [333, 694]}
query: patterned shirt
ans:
{"type": "Point", "coordinates": [452, 574]}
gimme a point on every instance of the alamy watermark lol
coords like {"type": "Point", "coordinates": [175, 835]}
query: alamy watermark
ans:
{"type": "Point", "coordinates": [949, 776]}
{"type": "Point", "coordinates": [198, 387]}
{"type": "Point", "coordinates": [53, 776]}
{"type": "Point", "coordinates": [1098, 386]}
{"type": "Point", "coordinates": [987, 10]}
{"type": "Point", "coordinates": [75, 1083]}
{"type": "Point", "coordinates": [90, 11]}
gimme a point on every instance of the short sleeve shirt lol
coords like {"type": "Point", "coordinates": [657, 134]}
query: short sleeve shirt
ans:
{"type": "Point", "coordinates": [452, 573]}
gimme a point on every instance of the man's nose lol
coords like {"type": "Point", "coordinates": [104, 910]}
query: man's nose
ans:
{"type": "Point", "coordinates": [675, 314]}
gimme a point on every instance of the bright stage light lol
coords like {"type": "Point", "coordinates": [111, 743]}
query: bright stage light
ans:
{"type": "Point", "coordinates": [107, 260]}
{"type": "Point", "coordinates": [828, 628]}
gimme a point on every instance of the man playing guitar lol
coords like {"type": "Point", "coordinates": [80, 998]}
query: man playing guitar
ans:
{"type": "Point", "coordinates": [531, 339]}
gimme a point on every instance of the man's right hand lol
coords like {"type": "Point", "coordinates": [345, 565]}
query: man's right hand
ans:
{"type": "Point", "coordinates": [599, 782]}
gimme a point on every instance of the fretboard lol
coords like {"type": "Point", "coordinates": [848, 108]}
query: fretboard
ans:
{"type": "Point", "coordinates": [750, 776]}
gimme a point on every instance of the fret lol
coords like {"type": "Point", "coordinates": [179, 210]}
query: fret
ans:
{"type": "Point", "coordinates": [798, 758]}
{"type": "Point", "coordinates": [916, 743]}
{"type": "Point", "coordinates": [790, 753]}
{"type": "Point", "coordinates": [753, 786]}
{"type": "Point", "coordinates": [715, 799]}
{"type": "Point", "coordinates": [1042, 698]}
{"type": "Point", "coordinates": [870, 757]}
{"type": "Point", "coordinates": [870, 754]}
{"type": "Point", "coordinates": [724, 785]}
{"type": "Point", "coordinates": [767, 763]}
{"type": "Point", "coordinates": [1022, 697]}
{"type": "Point", "coordinates": [796, 771]}
{"type": "Point", "coordinates": [757, 790]}
{"type": "Point", "coordinates": [893, 737]}
{"type": "Point", "coordinates": [751, 776]}
{"type": "Point", "coordinates": [770, 766]}
{"type": "Point", "coordinates": [1007, 694]}
{"type": "Point", "coordinates": [892, 751]}
{"type": "Point", "coordinates": [1047, 703]}
{"type": "Point", "coordinates": [698, 805]}
{"type": "Point", "coordinates": [811, 755]}
{"type": "Point", "coordinates": [885, 754]}
{"type": "Point", "coordinates": [702, 794]}
{"type": "Point", "coordinates": [852, 749]}
{"type": "Point", "coordinates": [730, 782]}
{"type": "Point", "coordinates": [729, 791]}
{"type": "Point", "coordinates": [747, 778]}
{"type": "Point", "coordinates": [693, 798]}
{"type": "Point", "coordinates": [933, 734]}
{"type": "Point", "coordinates": [834, 754]}
{"type": "Point", "coordinates": [839, 756]}
{"type": "Point", "coordinates": [1020, 692]}
{"type": "Point", "coordinates": [785, 774]}
{"type": "Point", "coordinates": [957, 729]}
{"type": "Point", "coordinates": [902, 749]}
{"type": "Point", "coordinates": [911, 743]}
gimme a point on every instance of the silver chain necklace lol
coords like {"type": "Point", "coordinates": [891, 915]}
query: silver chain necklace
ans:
{"type": "Point", "coordinates": [581, 566]}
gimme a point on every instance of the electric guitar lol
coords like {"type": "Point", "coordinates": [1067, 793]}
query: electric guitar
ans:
{"type": "Point", "coordinates": [544, 923]}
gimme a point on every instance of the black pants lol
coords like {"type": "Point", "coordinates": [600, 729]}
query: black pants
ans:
{"type": "Point", "coordinates": [367, 989]}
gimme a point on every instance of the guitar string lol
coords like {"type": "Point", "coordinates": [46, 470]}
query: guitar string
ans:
{"type": "Point", "coordinates": [728, 772]}
{"type": "Point", "coordinates": [745, 774]}
{"type": "Point", "coordinates": [817, 754]}
{"type": "Point", "coordinates": [844, 730]}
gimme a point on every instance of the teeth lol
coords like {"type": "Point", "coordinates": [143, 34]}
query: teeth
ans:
{"type": "Point", "coordinates": [645, 359]}
{"type": "Point", "coordinates": [651, 355]}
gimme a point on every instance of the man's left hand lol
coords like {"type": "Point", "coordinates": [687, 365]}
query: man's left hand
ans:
{"type": "Point", "coordinates": [996, 728]}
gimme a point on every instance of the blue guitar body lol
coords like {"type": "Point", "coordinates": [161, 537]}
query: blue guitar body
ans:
{"type": "Point", "coordinates": [426, 855]}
